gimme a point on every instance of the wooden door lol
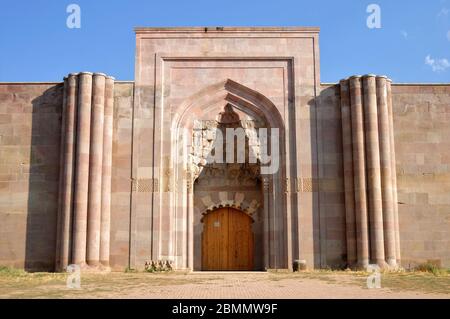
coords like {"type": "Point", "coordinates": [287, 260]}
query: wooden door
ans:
{"type": "Point", "coordinates": [227, 240]}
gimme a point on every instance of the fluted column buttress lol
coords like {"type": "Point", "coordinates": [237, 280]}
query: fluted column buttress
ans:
{"type": "Point", "coordinates": [84, 181]}
{"type": "Point", "coordinates": [59, 262]}
{"type": "Point", "coordinates": [67, 165]}
{"type": "Point", "coordinates": [82, 168]}
{"type": "Point", "coordinates": [106, 172]}
{"type": "Point", "coordinates": [95, 169]}
{"type": "Point", "coordinates": [370, 202]}
{"type": "Point", "coordinates": [359, 165]}
{"type": "Point", "coordinates": [386, 171]}
{"type": "Point", "coordinates": [348, 174]}
{"type": "Point", "coordinates": [373, 169]}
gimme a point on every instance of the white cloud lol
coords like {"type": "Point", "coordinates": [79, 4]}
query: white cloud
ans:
{"type": "Point", "coordinates": [437, 65]}
{"type": "Point", "coordinates": [443, 13]}
{"type": "Point", "coordinates": [404, 34]}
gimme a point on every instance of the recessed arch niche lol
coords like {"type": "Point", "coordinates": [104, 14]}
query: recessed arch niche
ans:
{"type": "Point", "coordinates": [195, 188]}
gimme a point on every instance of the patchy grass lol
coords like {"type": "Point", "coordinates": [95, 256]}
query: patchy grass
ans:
{"type": "Point", "coordinates": [15, 283]}
{"type": "Point", "coordinates": [432, 268]}
{"type": "Point", "coordinates": [325, 275]}
{"type": "Point", "coordinates": [10, 272]}
{"type": "Point", "coordinates": [429, 280]}
{"type": "Point", "coordinates": [419, 281]}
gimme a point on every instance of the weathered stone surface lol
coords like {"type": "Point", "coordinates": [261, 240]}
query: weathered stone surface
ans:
{"type": "Point", "coordinates": [185, 79]}
{"type": "Point", "coordinates": [30, 124]}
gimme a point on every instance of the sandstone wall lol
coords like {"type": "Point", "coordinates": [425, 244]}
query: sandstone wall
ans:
{"type": "Point", "coordinates": [422, 149]}
{"type": "Point", "coordinates": [121, 175]}
{"type": "Point", "coordinates": [30, 130]}
{"type": "Point", "coordinates": [30, 120]}
{"type": "Point", "coordinates": [331, 185]}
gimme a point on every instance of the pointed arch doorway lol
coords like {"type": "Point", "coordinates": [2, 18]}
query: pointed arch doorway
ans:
{"type": "Point", "coordinates": [195, 187]}
{"type": "Point", "coordinates": [227, 240]}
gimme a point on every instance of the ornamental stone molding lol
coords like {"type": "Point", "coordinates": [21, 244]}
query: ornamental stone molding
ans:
{"type": "Point", "coordinates": [237, 201]}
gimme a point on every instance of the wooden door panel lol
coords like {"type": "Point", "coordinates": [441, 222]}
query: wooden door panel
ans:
{"type": "Point", "coordinates": [227, 240]}
{"type": "Point", "coordinates": [215, 240]}
{"type": "Point", "coordinates": [241, 241]}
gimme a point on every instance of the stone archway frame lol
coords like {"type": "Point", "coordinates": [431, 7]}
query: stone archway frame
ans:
{"type": "Point", "coordinates": [275, 246]}
{"type": "Point", "coordinates": [237, 202]}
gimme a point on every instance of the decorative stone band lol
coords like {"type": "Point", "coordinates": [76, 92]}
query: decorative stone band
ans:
{"type": "Point", "coordinates": [83, 233]}
{"type": "Point", "coordinates": [369, 171]}
{"type": "Point", "coordinates": [145, 185]}
{"type": "Point", "coordinates": [237, 202]}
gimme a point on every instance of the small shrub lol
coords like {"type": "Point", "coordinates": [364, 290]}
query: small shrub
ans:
{"type": "Point", "coordinates": [9, 271]}
{"type": "Point", "coordinates": [158, 266]}
{"type": "Point", "coordinates": [430, 268]}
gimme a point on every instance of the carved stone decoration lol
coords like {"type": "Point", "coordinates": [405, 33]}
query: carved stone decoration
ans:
{"type": "Point", "coordinates": [307, 185]}
{"type": "Point", "coordinates": [203, 139]}
{"type": "Point", "coordinates": [168, 175]}
{"type": "Point", "coordinates": [239, 198]}
{"type": "Point", "coordinates": [237, 202]}
{"type": "Point", "coordinates": [254, 205]}
{"type": "Point", "coordinates": [207, 201]}
{"type": "Point", "coordinates": [134, 184]}
{"type": "Point", "coordinates": [189, 181]}
{"type": "Point", "coordinates": [298, 185]}
{"type": "Point", "coordinates": [228, 116]}
{"type": "Point", "coordinates": [189, 185]}
{"type": "Point", "coordinates": [155, 185]}
{"type": "Point", "coordinates": [266, 184]}
{"type": "Point", "coordinates": [145, 185]}
{"type": "Point", "coordinates": [223, 196]}
{"type": "Point", "coordinates": [287, 185]}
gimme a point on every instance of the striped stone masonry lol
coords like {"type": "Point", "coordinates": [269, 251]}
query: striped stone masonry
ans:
{"type": "Point", "coordinates": [371, 211]}
{"type": "Point", "coordinates": [83, 229]}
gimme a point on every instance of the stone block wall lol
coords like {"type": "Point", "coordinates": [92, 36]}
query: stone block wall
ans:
{"type": "Point", "coordinates": [121, 182]}
{"type": "Point", "coordinates": [331, 186]}
{"type": "Point", "coordinates": [422, 148]}
{"type": "Point", "coordinates": [30, 125]}
{"type": "Point", "coordinates": [30, 133]}
{"type": "Point", "coordinates": [421, 115]}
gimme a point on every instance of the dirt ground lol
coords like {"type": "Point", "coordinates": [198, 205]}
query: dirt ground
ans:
{"type": "Point", "coordinates": [202, 285]}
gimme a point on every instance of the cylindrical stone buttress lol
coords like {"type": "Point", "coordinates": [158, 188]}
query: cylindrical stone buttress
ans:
{"type": "Point", "coordinates": [357, 118]}
{"type": "Point", "coordinates": [350, 225]}
{"type": "Point", "coordinates": [106, 172]}
{"type": "Point", "coordinates": [393, 171]}
{"type": "Point", "coordinates": [386, 174]}
{"type": "Point", "coordinates": [82, 168]}
{"type": "Point", "coordinates": [60, 217]}
{"type": "Point", "coordinates": [373, 170]}
{"type": "Point", "coordinates": [67, 170]}
{"type": "Point", "coordinates": [95, 169]}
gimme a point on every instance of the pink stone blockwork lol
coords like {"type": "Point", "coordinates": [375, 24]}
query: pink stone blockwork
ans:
{"type": "Point", "coordinates": [91, 170]}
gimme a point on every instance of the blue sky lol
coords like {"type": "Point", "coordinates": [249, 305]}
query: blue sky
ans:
{"type": "Point", "coordinates": [412, 45]}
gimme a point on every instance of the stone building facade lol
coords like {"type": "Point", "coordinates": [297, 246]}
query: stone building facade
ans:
{"type": "Point", "coordinates": [112, 174]}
